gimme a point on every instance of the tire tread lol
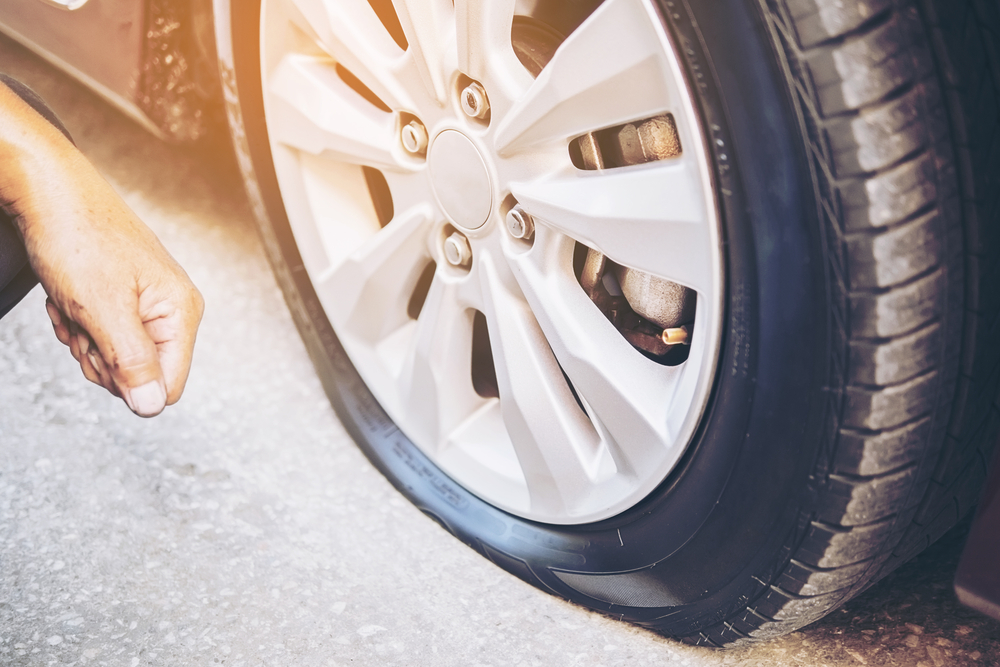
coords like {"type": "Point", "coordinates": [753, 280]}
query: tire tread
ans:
{"type": "Point", "coordinates": [891, 91]}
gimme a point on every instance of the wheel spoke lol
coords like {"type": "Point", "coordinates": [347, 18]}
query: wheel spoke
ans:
{"type": "Point", "coordinates": [651, 217]}
{"type": "Point", "coordinates": [367, 294]}
{"type": "Point", "coordinates": [435, 386]}
{"type": "Point", "coordinates": [425, 24]}
{"type": "Point", "coordinates": [483, 34]}
{"type": "Point", "coordinates": [626, 392]}
{"type": "Point", "coordinates": [408, 189]}
{"type": "Point", "coordinates": [313, 110]}
{"type": "Point", "coordinates": [611, 70]}
{"type": "Point", "coordinates": [570, 424]}
{"type": "Point", "coordinates": [351, 32]}
{"type": "Point", "coordinates": [557, 446]}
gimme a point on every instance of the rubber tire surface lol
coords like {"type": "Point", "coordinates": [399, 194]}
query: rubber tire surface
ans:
{"type": "Point", "coordinates": [856, 160]}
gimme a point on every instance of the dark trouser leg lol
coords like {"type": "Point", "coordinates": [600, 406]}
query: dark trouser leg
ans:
{"type": "Point", "coordinates": [16, 276]}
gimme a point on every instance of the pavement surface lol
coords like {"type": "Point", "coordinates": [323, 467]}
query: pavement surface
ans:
{"type": "Point", "coordinates": [243, 527]}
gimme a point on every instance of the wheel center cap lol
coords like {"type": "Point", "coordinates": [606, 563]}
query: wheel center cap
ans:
{"type": "Point", "coordinates": [460, 180]}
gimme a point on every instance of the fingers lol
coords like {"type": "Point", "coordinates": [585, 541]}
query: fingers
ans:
{"type": "Point", "coordinates": [131, 361]}
{"type": "Point", "coordinates": [90, 355]}
{"type": "Point", "coordinates": [82, 342]}
{"type": "Point", "coordinates": [59, 322]}
{"type": "Point", "coordinates": [134, 373]}
{"type": "Point", "coordinates": [89, 371]}
{"type": "Point", "coordinates": [82, 348]}
{"type": "Point", "coordinates": [94, 369]}
{"type": "Point", "coordinates": [123, 306]}
{"type": "Point", "coordinates": [175, 337]}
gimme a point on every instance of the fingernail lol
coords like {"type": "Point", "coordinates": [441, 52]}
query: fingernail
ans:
{"type": "Point", "coordinates": [147, 400]}
{"type": "Point", "coordinates": [54, 314]}
{"type": "Point", "coordinates": [95, 360]}
{"type": "Point", "coordinates": [84, 342]}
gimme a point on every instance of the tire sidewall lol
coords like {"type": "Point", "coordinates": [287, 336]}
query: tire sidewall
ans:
{"type": "Point", "coordinates": [721, 518]}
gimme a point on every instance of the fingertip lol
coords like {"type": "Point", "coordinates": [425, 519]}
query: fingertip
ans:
{"type": "Point", "coordinates": [174, 354]}
{"type": "Point", "coordinates": [176, 369]}
{"type": "Point", "coordinates": [147, 400]}
{"type": "Point", "coordinates": [74, 347]}
{"type": "Point", "coordinates": [58, 322]}
{"type": "Point", "coordinates": [130, 359]}
{"type": "Point", "coordinates": [53, 313]}
{"type": "Point", "coordinates": [89, 371]}
{"type": "Point", "coordinates": [62, 334]}
{"type": "Point", "coordinates": [83, 343]}
{"type": "Point", "coordinates": [106, 380]}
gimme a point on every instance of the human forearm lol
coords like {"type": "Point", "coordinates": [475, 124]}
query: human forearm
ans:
{"type": "Point", "coordinates": [125, 308]}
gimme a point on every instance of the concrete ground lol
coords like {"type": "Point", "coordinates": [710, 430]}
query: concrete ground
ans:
{"type": "Point", "coordinates": [243, 527]}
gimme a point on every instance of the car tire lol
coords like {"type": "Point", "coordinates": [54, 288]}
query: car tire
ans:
{"type": "Point", "coordinates": [853, 404]}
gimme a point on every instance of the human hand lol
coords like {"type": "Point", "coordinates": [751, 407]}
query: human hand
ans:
{"type": "Point", "coordinates": [127, 310]}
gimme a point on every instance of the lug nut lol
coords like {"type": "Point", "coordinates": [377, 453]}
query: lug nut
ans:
{"type": "Point", "coordinates": [457, 250]}
{"type": "Point", "coordinates": [414, 137]}
{"type": "Point", "coordinates": [519, 223]}
{"type": "Point", "coordinates": [475, 104]}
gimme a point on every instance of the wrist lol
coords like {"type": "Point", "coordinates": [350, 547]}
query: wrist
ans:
{"type": "Point", "coordinates": [36, 158]}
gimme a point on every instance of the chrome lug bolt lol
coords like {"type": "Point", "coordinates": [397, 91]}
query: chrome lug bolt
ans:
{"type": "Point", "coordinates": [414, 137]}
{"type": "Point", "coordinates": [519, 223]}
{"type": "Point", "coordinates": [475, 104]}
{"type": "Point", "coordinates": [457, 250]}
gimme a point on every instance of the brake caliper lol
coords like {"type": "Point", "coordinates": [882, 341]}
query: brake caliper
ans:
{"type": "Point", "coordinates": [653, 314]}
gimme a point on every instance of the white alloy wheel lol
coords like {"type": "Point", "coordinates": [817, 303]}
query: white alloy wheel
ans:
{"type": "Point", "coordinates": [399, 160]}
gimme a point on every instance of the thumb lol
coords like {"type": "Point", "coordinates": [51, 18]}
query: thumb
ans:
{"type": "Point", "coordinates": [131, 359]}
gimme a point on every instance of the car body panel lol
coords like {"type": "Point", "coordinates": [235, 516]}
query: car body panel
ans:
{"type": "Point", "coordinates": [102, 39]}
{"type": "Point", "coordinates": [147, 57]}
{"type": "Point", "coordinates": [977, 581]}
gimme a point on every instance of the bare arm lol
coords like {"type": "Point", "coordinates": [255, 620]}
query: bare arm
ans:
{"type": "Point", "coordinates": [126, 309]}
